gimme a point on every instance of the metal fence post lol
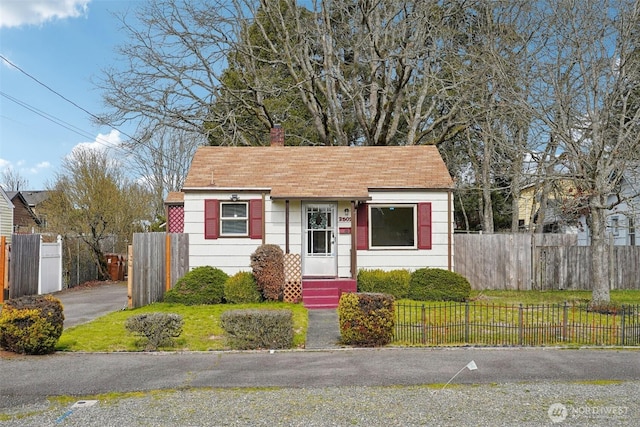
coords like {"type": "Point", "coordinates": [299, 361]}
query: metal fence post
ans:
{"type": "Point", "coordinates": [622, 327]}
{"type": "Point", "coordinates": [466, 322]}
{"type": "Point", "coordinates": [424, 325]}
{"type": "Point", "coordinates": [520, 325]}
{"type": "Point", "coordinates": [565, 320]}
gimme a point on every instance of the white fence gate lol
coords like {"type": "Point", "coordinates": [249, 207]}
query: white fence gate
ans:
{"type": "Point", "coordinates": [50, 277]}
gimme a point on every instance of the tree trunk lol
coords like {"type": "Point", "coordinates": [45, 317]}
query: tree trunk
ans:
{"type": "Point", "coordinates": [599, 256]}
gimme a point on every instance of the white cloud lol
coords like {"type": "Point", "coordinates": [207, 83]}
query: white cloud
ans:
{"type": "Point", "coordinates": [42, 166]}
{"type": "Point", "coordinates": [102, 142]}
{"type": "Point", "coordinates": [15, 13]}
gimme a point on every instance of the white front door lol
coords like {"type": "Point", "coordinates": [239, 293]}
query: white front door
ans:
{"type": "Point", "coordinates": [319, 240]}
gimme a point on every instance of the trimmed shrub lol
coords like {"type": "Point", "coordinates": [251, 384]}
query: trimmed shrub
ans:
{"type": "Point", "coordinates": [258, 329]}
{"type": "Point", "coordinates": [435, 284]}
{"type": "Point", "coordinates": [241, 288]}
{"type": "Point", "coordinates": [202, 285]}
{"type": "Point", "coordinates": [267, 263]}
{"type": "Point", "coordinates": [31, 324]}
{"type": "Point", "coordinates": [156, 329]}
{"type": "Point", "coordinates": [394, 282]}
{"type": "Point", "coordinates": [366, 319]}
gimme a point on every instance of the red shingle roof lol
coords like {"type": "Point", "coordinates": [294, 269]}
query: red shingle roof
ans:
{"type": "Point", "coordinates": [318, 172]}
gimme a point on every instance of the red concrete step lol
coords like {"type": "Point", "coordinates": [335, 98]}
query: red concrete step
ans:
{"type": "Point", "coordinates": [325, 293]}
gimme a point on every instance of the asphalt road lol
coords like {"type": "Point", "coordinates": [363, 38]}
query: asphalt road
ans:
{"type": "Point", "coordinates": [29, 379]}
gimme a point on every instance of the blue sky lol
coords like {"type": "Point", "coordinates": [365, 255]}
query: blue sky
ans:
{"type": "Point", "coordinates": [64, 44]}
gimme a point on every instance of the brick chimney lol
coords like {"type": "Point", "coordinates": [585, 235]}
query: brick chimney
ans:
{"type": "Point", "coordinates": [277, 136]}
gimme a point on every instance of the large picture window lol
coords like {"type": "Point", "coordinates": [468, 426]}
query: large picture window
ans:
{"type": "Point", "coordinates": [393, 226]}
{"type": "Point", "coordinates": [234, 219]}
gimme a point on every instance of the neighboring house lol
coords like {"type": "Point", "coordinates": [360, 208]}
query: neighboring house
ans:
{"type": "Point", "coordinates": [555, 219]}
{"type": "Point", "coordinates": [340, 209]}
{"type": "Point", "coordinates": [623, 219]}
{"type": "Point", "coordinates": [6, 215]}
{"type": "Point", "coordinates": [25, 220]}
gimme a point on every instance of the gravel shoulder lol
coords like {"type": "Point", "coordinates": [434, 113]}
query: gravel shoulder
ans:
{"type": "Point", "coordinates": [524, 404]}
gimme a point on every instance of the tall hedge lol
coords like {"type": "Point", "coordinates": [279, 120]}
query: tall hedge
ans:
{"type": "Point", "coordinates": [267, 263]}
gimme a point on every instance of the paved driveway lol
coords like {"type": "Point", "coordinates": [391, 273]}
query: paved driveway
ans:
{"type": "Point", "coordinates": [84, 304]}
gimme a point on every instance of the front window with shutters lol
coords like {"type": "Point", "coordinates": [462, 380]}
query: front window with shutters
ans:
{"type": "Point", "coordinates": [234, 219]}
{"type": "Point", "coordinates": [393, 226]}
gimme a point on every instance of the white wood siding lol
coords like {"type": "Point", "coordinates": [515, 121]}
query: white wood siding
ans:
{"type": "Point", "coordinates": [412, 259]}
{"type": "Point", "coordinates": [233, 254]}
{"type": "Point", "coordinates": [6, 217]}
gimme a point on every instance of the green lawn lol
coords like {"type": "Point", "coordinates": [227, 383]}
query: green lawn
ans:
{"type": "Point", "coordinates": [201, 330]}
{"type": "Point", "coordinates": [550, 297]}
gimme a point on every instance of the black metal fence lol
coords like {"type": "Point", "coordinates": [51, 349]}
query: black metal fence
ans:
{"type": "Point", "coordinates": [515, 325]}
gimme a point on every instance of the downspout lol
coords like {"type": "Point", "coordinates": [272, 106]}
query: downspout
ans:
{"type": "Point", "coordinates": [449, 232]}
{"type": "Point", "coordinates": [286, 226]}
{"type": "Point", "coordinates": [354, 241]}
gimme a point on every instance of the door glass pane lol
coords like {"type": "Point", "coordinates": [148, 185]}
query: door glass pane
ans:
{"type": "Point", "coordinates": [319, 230]}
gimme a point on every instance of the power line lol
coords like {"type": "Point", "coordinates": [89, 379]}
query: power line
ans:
{"type": "Point", "coordinates": [68, 126]}
{"type": "Point", "coordinates": [47, 116]}
{"type": "Point", "coordinates": [96, 118]}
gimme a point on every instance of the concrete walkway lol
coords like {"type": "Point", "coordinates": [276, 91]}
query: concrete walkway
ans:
{"type": "Point", "coordinates": [323, 331]}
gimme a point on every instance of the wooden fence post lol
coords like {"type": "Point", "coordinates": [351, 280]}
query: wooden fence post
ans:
{"type": "Point", "coordinates": [167, 261]}
{"type": "Point", "coordinates": [130, 276]}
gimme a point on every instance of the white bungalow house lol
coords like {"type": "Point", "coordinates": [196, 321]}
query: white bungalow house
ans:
{"type": "Point", "coordinates": [335, 209]}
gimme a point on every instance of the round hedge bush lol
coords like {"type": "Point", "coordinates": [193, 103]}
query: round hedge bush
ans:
{"type": "Point", "coordinates": [241, 288]}
{"type": "Point", "coordinates": [31, 324]}
{"type": "Point", "coordinates": [202, 285]}
{"type": "Point", "coordinates": [435, 284]}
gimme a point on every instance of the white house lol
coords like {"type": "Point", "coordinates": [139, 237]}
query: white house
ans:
{"type": "Point", "coordinates": [6, 216]}
{"type": "Point", "coordinates": [340, 209]}
{"type": "Point", "coordinates": [622, 220]}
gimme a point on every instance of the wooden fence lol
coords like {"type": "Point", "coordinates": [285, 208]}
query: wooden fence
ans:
{"type": "Point", "coordinates": [35, 267]}
{"type": "Point", "coordinates": [540, 262]}
{"type": "Point", "coordinates": [156, 262]}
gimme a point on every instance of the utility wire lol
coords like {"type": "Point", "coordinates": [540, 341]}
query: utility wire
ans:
{"type": "Point", "coordinates": [98, 119]}
{"type": "Point", "coordinates": [62, 123]}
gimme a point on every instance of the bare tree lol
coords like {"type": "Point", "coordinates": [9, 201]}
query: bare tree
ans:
{"type": "Point", "coordinates": [92, 199]}
{"type": "Point", "coordinates": [376, 73]}
{"type": "Point", "coordinates": [588, 69]}
{"type": "Point", "coordinates": [161, 157]}
{"type": "Point", "coordinates": [13, 181]}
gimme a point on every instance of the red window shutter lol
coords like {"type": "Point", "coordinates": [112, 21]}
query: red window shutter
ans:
{"type": "Point", "coordinates": [424, 226]}
{"type": "Point", "coordinates": [362, 225]}
{"type": "Point", "coordinates": [255, 219]}
{"type": "Point", "coordinates": [211, 219]}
